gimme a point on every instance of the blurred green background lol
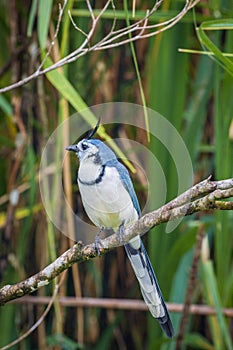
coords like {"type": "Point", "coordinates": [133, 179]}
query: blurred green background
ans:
{"type": "Point", "coordinates": [193, 91]}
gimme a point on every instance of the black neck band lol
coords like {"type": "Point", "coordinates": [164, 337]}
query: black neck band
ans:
{"type": "Point", "coordinates": [96, 181]}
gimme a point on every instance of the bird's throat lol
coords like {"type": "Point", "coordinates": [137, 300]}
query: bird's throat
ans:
{"type": "Point", "coordinates": [90, 173]}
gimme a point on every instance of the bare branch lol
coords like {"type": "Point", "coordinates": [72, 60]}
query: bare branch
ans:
{"type": "Point", "coordinates": [120, 304]}
{"type": "Point", "coordinates": [205, 195]}
{"type": "Point", "coordinates": [139, 29]}
{"type": "Point", "coordinates": [90, 10]}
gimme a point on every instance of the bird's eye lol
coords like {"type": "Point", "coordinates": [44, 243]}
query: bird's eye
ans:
{"type": "Point", "coordinates": [84, 146]}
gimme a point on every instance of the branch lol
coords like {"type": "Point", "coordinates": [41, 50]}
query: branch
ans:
{"type": "Point", "coordinates": [138, 30]}
{"type": "Point", "coordinates": [205, 195]}
{"type": "Point", "coordinates": [120, 304]}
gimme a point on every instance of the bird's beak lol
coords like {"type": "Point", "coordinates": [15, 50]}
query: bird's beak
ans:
{"type": "Point", "coordinates": [72, 148]}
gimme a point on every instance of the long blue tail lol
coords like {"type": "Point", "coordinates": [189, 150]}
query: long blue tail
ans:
{"type": "Point", "coordinates": [148, 283]}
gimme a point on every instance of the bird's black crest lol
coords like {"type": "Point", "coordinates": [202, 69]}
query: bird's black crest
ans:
{"type": "Point", "coordinates": [93, 131]}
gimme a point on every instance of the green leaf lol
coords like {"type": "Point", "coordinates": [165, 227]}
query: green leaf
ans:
{"type": "Point", "coordinates": [222, 60]}
{"type": "Point", "coordinates": [219, 329]}
{"type": "Point", "coordinates": [136, 65]}
{"type": "Point", "coordinates": [44, 13]}
{"type": "Point", "coordinates": [32, 17]}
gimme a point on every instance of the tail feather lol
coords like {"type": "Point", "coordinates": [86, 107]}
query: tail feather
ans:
{"type": "Point", "coordinates": [148, 283]}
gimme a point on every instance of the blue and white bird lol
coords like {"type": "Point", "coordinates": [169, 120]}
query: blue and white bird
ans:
{"type": "Point", "coordinates": [110, 201]}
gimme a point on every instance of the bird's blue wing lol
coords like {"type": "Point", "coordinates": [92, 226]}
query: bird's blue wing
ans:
{"type": "Point", "coordinates": [125, 178]}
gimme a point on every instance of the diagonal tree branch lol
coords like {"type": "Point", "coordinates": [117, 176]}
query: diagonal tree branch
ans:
{"type": "Point", "coordinates": [203, 196]}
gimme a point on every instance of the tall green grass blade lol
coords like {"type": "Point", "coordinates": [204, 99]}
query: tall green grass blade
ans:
{"type": "Point", "coordinates": [65, 30]}
{"type": "Point", "coordinates": [224, 61]}
{"type": "Point", "coordinates": [30, 162]}
{"type": "Point", "coordinates": [195, 113]}
{"type": "Point", "coordinates": [178, 289]}
{"type": "Point", "coordinates": [32, 17]}
{"type": "Point", "coordinates": [44, 13]}
{"type": "Point", "coordinates": [223, 107]}
{"type": "Point", "coordinates": [166, 79]}
{"type": "Point", "coordinates": [137, 73]}
{"type": "Point", "coordinates": [213, 297]}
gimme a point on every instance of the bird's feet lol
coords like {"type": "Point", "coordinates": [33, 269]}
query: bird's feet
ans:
{"type": "Point", "coordinates": [98, 243]}
{"type": "Point", "coordinates": [121, 231]}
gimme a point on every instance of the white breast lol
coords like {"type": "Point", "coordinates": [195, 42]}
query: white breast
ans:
{"type": "Point", "coordinates": [108, 203]}
{"type": "Point", "coordinates": [89, 171]}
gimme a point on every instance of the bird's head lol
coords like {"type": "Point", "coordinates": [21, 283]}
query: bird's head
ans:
{"type": "Point", "coordinates": [85, 149]}
{"type": "Point", "coordinates": [94, 150]}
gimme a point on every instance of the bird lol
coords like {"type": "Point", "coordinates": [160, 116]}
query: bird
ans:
{"type": "Point", "coordinates": [110, 201]}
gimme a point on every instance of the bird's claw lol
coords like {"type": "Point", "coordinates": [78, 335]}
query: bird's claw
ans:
{"type": "Point", "coordinates": [98, 243]}
{"type": "Point", "coordinates": [121, 231]}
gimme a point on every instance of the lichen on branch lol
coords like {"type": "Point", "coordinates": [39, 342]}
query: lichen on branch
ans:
{"type": "Point", "coordinates": [206, 195]}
